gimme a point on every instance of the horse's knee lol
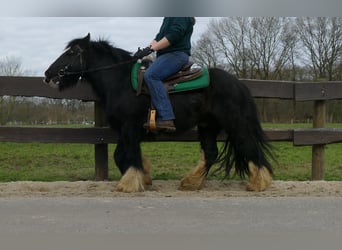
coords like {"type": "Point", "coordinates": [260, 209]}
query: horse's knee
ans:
{"type": "Point", "coordinates": [259, 178]}
{"type": "Point", "coordinates": [194, 180]}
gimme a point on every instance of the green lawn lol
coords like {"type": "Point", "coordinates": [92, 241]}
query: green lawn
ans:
{"type": "Point", "coordinates": [297, 125]}
{"type": "Point", "coordinates": [170, 160]}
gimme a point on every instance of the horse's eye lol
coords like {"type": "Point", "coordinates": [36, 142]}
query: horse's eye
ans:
{"type": "Point", "coordinates": [71, 52]}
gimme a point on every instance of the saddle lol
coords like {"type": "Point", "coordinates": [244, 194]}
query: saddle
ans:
{"type": "Point", "coordinates": [187, 79]}
{"type": "Point", "coordinates": [186, 74]}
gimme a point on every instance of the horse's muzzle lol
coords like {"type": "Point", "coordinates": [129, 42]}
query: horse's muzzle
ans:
{"type": "Point", "coordinates": [52, 82]}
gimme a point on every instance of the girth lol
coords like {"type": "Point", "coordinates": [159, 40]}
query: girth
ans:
{"type": "Point", "coordinates": [187, 73]}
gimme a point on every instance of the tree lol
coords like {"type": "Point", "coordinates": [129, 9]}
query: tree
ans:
{"type": "Point", "coordinates": [205, 52]}
{"type": "Point", "coordinates": [271, 46]}
{"type": "Point", "coordinates": [250, 47]}
{"type": "Point", "coordinates": [232, 43]}
{"type": "Point", "coordinates": [321, 40]}
{"type": "Point", "coordinates": [11, 66]}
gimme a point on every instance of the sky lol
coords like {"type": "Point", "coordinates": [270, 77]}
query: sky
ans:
{"type": "Point", "coordinates": [37, 41]}
{"type": "Point", "coordinates": [36, 31]}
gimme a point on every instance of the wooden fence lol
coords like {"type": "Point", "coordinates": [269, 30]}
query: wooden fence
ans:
{"type": "Point", "coordinates": [101, 136]}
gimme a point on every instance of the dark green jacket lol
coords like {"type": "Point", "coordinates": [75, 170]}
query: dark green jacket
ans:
{"type": "Point", "coordinates": [178, 31]}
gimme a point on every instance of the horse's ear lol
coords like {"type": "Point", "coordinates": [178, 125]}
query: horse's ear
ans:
{"type": "Point", "coordinates": [87, 37]}
{"type": "Point", "coordinates": [84, 42]}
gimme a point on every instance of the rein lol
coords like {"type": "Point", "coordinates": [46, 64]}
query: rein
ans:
{"type": "Point", "coordinates": [65, 72]}
{"type": "Point", "coordinates": [68, 73]}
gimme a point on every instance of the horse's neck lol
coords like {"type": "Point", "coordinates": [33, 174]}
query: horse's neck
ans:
{"type": "Point", "coordinates": [110, 82]}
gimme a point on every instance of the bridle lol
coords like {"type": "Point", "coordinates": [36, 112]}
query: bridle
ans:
{"type": "Point", "coordinates": [65, 72]}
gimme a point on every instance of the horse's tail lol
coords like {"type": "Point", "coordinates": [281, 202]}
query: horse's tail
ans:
{"type": "Point", "coordinates": [246, 140]}
{"type": "Point", "coordinates": [237, 152]}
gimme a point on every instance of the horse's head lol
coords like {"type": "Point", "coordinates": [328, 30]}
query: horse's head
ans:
{"type": "Point", "coordinates": [68, 67]}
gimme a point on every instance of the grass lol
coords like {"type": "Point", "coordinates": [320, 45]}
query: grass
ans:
{"type": "Point", "coordinates": [45, 162]}
{"type": "Point", "coordinates": [170, 160]}
{"type": "Point", "coordinates": [297, 125]}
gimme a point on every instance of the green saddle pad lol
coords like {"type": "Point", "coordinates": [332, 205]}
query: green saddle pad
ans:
{"type": "Point", "coordinates": [200, 82]}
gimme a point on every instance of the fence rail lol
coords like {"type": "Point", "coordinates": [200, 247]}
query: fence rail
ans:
{"type": "Point", "coordinates": [101, 136]}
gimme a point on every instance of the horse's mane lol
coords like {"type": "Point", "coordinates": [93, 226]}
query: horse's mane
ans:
{"type": "Point", "coordinates": [104, 47]}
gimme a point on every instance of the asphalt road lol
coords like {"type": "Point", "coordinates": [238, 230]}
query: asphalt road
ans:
{"type": "Point", "coordinates": [171, 223]}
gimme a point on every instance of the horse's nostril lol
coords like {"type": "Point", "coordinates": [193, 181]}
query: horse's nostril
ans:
{"type": "Point", "coordinates": [61, 73]}
{"type": "Point", "coordinates": [46, 80]}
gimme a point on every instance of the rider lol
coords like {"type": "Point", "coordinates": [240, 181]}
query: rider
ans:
{"type": "Point", "coordinates": [173, 47]}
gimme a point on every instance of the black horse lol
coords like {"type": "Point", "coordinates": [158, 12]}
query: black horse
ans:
{"type": "Point", "coordinates": [226, 105]}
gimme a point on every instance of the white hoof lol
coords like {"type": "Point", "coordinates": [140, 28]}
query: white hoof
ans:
{"type": "Point", "coordinates": [132, 181]}
{"type": "Point", "coordinates": [259, 178]}
{"type": "Point", "coordinates": [194, 180]}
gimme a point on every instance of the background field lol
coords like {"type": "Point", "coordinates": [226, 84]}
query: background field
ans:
{"type": "Point", "coordinates": [170, 160]}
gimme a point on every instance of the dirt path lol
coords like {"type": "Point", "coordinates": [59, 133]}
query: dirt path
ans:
{"type": "Point", "coordinates": [169, 189]}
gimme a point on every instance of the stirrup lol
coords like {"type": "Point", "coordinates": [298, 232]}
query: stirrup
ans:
{"type": "Point", "coordinates": [151, 121]}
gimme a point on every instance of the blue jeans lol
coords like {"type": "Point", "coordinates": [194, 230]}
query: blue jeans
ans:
{"type": "Point", "coordinates": [164, 66]}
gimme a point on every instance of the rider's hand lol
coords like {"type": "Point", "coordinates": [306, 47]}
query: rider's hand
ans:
{"type": "Point", "coordinates": [143, 52]}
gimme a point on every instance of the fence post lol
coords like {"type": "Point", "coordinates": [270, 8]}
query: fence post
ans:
{"type": "Point", "coordinates": [319, 117]}
{"type": "Point", "coordinates": [101, 150]}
